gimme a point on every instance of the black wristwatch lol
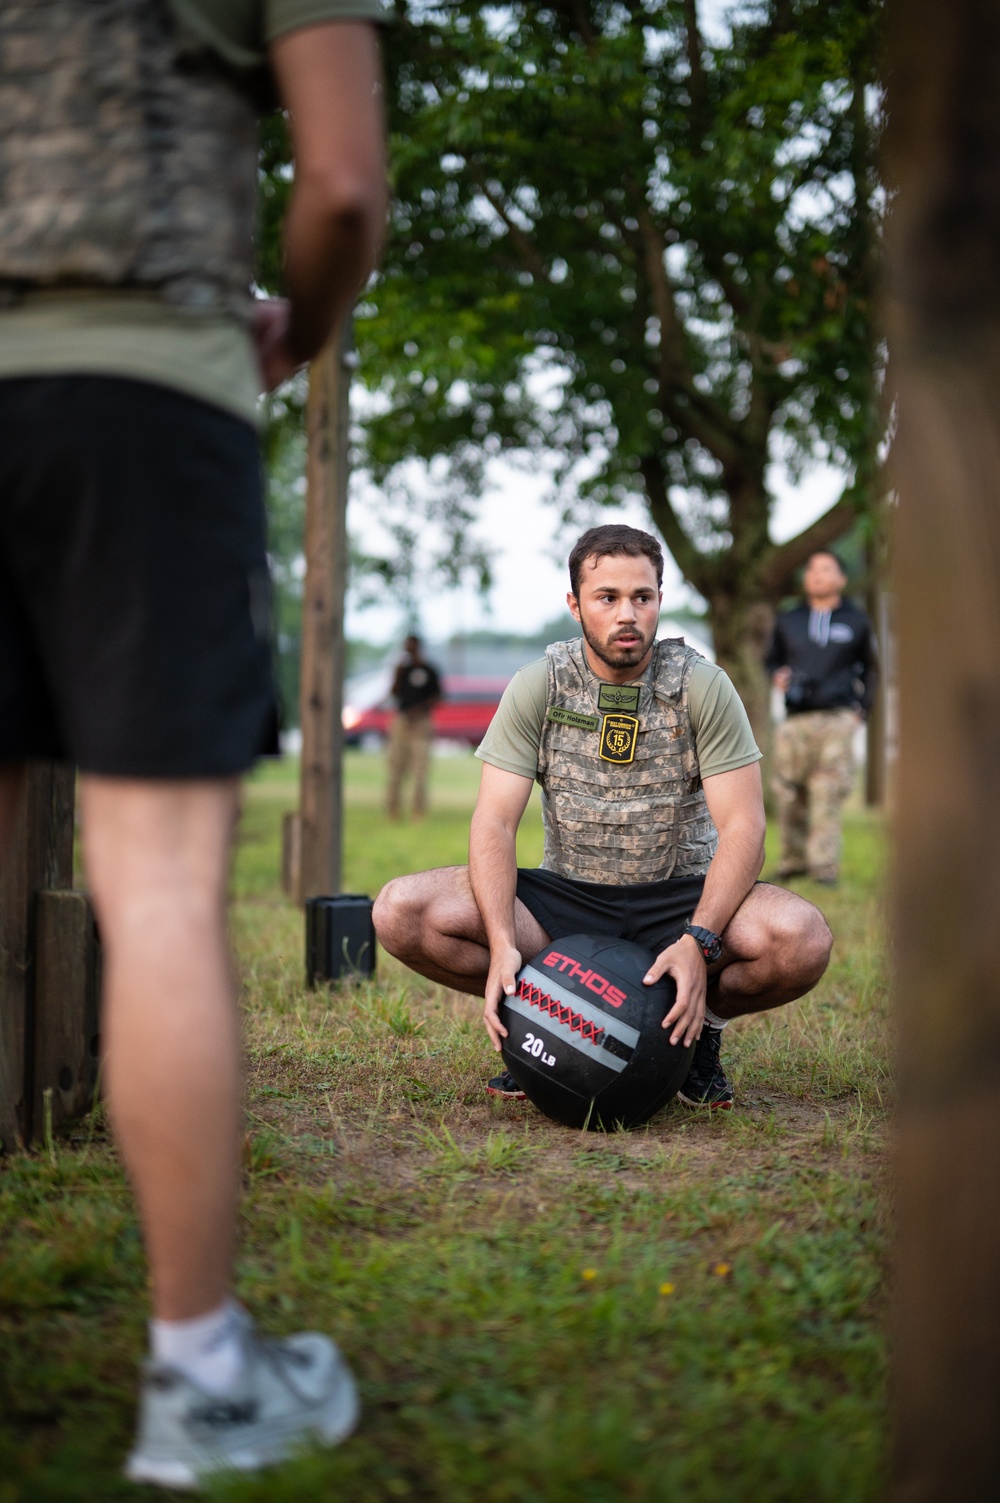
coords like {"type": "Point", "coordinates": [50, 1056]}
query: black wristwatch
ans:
{"type": "Point", "coordinates": [708, 943]}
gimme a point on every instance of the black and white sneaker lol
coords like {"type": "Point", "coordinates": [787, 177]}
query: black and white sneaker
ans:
{"type": "Point", "coordinates": [706, 1084]}
{"type": "Point", "coordinates": [506, 1086]}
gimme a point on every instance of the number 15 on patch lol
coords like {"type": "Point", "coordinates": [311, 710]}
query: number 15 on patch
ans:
{"type": "Point", "coordinates": [618, 737]}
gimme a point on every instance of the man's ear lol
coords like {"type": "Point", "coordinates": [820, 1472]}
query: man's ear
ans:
{"type": "Point", "coordinates": [573, 604]}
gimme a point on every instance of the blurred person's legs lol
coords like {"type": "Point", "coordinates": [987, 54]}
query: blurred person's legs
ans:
{"type": "Point", "coordinates": [831, 778]}
{"type": "Point", "coordinates": [420, 755]}
{"type": "Point", "coordinates": [134, 639]}
{"type": "Point", "coordinates": [398, 763]}
{"type": "Point", "coordinates": [792, 752]}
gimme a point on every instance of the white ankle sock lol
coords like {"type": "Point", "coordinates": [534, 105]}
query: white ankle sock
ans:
{"type": "Point", "coordinates": [206, 1349]}
{"type": "Point", "coordinates": [713, 1021]}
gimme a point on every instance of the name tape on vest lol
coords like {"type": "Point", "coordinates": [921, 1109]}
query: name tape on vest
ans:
{"type": "Point", "coordinates": [618, 697]}
{"type": "Point", "coordinates": [574, 718]}
{"type": "Point", "coordinates": [618, 736]}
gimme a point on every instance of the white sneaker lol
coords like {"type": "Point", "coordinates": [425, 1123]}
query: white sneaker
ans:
{"type": "Point", "coordinates": [290, 1393]}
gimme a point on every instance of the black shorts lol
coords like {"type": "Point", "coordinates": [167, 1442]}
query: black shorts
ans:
{"type": "Point", "coordinates": [135, 635]}
{"type": "Point", "coordinates": [648, 913]}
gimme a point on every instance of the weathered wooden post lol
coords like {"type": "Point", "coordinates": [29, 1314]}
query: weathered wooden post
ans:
{"type": "Point", "coordinates": [48, 958]}
{"type": "Point", "coordinates": [313, 837]}
{"type": "Point", "coordinates": [944, 137]}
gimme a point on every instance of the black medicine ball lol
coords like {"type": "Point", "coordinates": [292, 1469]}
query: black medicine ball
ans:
{"type": "Point", "coordinates": [584, 1040]}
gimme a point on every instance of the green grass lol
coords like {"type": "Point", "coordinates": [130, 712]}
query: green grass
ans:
{"type": "Point", "coordinates": [494, 1279]}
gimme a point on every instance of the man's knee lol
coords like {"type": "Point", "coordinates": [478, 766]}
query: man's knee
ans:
{"type": "Point", "coordinates": [399, 915]}
{"type": "Point", "coordinates": [804, 939]}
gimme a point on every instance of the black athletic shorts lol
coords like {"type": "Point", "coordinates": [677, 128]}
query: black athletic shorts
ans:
{"type": "Point", "coordinates": [648, 913]}
{"type": "Point", "coordinates": [135, 634]}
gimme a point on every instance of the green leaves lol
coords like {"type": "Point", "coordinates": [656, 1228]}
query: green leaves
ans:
{"type": "Point", "coordinates": [615, 241]}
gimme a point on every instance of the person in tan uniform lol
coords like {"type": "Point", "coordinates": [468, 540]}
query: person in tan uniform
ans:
{"type": "Point", "coordinates": [654, 827]}
{"type": "Point", "coordinates": [416, 689]}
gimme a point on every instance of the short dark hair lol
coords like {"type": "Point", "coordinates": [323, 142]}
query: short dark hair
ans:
{"type": "Point", "coordinates": [828, 553]}
{"type": "Point", "coordinates": [614, 538]}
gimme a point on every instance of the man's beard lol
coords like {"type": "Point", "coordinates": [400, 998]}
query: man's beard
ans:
{"type": "Point", "coordinates": [613, 655]}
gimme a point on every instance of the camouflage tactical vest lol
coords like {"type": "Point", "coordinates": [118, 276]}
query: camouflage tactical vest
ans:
{"type": "Point", "coordinates": [127, 157]}
{"type": "Point", "coordinates": [622, 821]}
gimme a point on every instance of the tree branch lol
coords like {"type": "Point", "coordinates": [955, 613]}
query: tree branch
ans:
{"type": "Point", "coordinates": [782, 561]}
{"type": "Point", "coordinates": [703, 419]}
{"type": "Point", "coordinates": [526, 247]}
{"type": "Point", "coordinates": [673, 359]}
{"type": "Point", "coordinates": [576, 13]}
{"type": "Point", "coordinates": [685, 554]}
{"type": "Point", "coordinates": [699, 97]}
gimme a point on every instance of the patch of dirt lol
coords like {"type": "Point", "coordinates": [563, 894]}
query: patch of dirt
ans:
{"type": "Point", "coordinates": [383, 1135]}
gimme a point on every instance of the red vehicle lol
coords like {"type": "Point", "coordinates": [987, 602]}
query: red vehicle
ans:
{"type": "Point", "coordinates": [467, 708]}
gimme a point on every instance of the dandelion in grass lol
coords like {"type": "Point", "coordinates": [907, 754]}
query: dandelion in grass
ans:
{"type": "Point", "coordinates": [722, 1269]}
{"type": "Point", "coordinates": [667, 1288]}
{"type": "Point", "coordinates": [588, 1275]}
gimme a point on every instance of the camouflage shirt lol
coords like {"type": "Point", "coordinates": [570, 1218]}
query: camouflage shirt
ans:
{"type": "Point", "coordinates": [128, 148]}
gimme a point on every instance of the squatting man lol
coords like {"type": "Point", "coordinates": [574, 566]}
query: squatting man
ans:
{"type": "Point", "coordinates": [654, 827]}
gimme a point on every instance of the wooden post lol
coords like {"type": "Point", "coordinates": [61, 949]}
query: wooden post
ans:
{"type": "Point", "coordinates": [944, 139]}
{"type": "Point", "coordinates": [319, 835]}
{"type": "Point", "coordinates": [40, 856]}
{"type": "Point", "coordinates": [67, 989]}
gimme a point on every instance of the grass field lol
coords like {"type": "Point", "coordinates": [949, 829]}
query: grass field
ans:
{"type": "Point", "coordinates": [692, 1311]}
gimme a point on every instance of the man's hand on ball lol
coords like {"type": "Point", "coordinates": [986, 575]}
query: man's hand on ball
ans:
{"type": "Point", "coordinates": [683, 961]}
{"type": "Point", "coordinates": [501, 982]}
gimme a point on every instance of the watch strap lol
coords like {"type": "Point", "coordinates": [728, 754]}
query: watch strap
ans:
{"type": "Point", "coordinates": [707, 941]}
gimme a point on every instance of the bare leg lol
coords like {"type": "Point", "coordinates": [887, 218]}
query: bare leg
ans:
{"type": "Point", "coordinates": [157, 857]}
{"type": "Point", "coordinates": [11, 784]}
{"type": "Point", "coordinates": [430, 922]}
{"type": "Point", "coordinates": [777, 947]}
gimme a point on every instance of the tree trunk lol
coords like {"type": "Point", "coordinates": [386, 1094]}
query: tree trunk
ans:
{"type": "Point", "coordinates": [945, 330]}
{"type": "Point", "coordinates": [741, 631]}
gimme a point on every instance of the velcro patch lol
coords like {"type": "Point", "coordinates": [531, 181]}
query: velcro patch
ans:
{"type": "Point", "coordinates": [574, 718]}
{"type": "Point", "coordinates": [618, 697]}
{"type": "Point", "coordinates": [618, 736]}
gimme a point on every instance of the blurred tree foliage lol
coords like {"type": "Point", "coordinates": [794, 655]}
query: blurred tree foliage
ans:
{"type": "Point", "coordinates": [648, 256]}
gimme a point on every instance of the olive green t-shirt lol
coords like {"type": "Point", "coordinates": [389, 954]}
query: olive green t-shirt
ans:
{"type": "Point", "coordinates": [52, 332]}
{"type": "Point", "coordinates": [722, 735]}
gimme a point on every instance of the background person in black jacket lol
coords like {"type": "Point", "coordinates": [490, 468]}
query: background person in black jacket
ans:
{"type": "Point", "coordinates": [824, 658]}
